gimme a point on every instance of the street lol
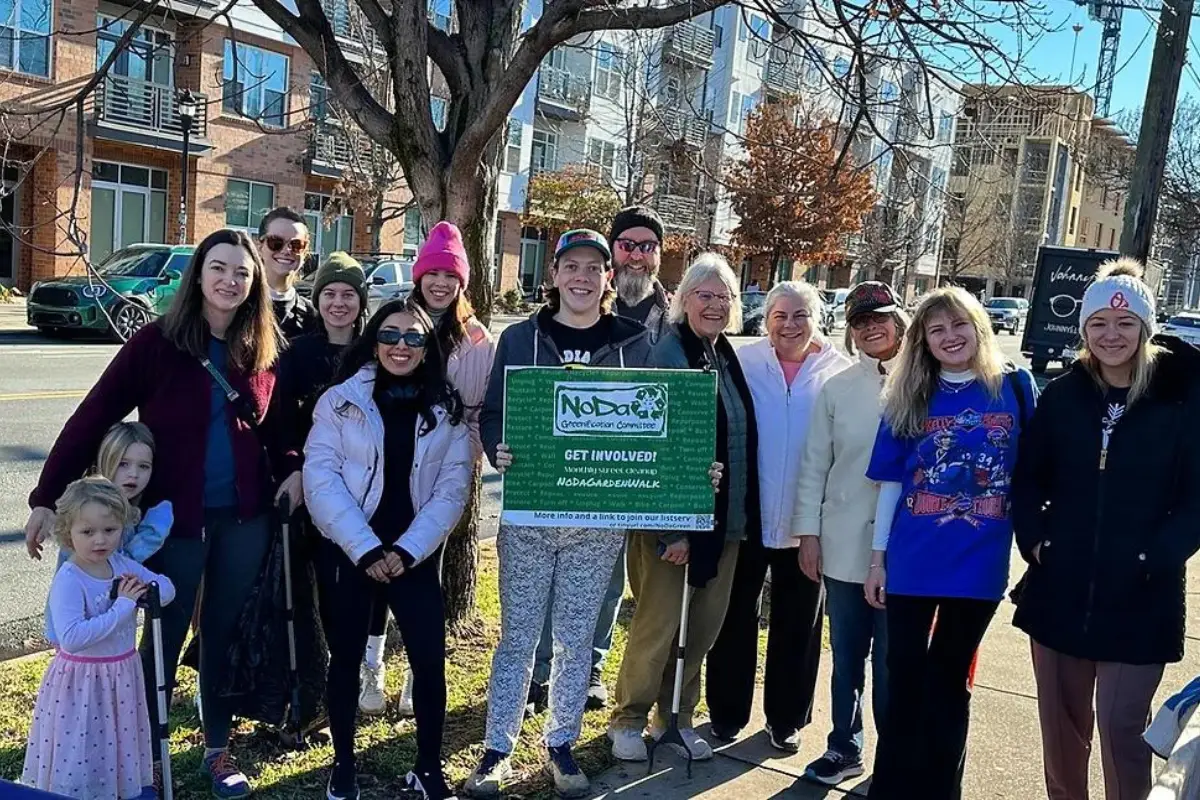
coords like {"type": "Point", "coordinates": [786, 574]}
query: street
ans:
{"type": "Point", "coordinates": [43, 381]}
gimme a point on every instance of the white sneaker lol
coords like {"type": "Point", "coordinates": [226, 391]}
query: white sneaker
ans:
{"type": "Point", "coordinates": [701, 749]}
{"type": "Point", "coordinates": [627, 744]}
{"type": "Point", "coordinates": [405, 709]}
{"type": "Point", "coordinates": [371, 699]}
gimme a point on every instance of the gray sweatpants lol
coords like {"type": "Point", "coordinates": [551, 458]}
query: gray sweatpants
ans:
{"type": "Point", "coordinates": [577, 563]}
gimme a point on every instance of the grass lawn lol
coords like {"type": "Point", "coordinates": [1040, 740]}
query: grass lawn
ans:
{"type": "Point", "coordinates": [386, 745]}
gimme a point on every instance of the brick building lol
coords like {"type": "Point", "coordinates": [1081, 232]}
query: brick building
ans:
{"type": "Point", "coordinates": [253, 144]}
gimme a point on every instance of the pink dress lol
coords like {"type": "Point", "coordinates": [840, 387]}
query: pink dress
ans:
{"type": "Point", "coordinates": [91, 732]}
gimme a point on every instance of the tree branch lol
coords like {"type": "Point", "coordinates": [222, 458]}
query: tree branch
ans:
{"type": "Point", "coordinates": [444, 52]}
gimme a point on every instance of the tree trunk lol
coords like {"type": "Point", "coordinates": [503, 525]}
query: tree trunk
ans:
{"type": "Point", "coordinates": [460, 566]}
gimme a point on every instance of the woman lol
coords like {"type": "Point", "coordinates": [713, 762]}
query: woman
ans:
{"type": "Point", "coordinates": [201, 378]}
{"type": "Point", "coordinates": [386, 473]}
{"type": "Point", "coordinates": [785, 372]}
{"type": "Point", "coordinates": [441, 274]}
{"type": "Point", "coordinates": [1107, 514]}
{"type": "Point", "coordinates": [574, 564]}
{"type": "Point", "coordinates": [835, 504]}
{"type": "Point", "coordinates": [705, 308]}
{"type": "Point", "coordinates": [943, 456]}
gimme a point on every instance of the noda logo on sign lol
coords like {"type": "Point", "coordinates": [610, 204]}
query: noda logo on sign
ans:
{"type": "Point", "coordinates": [610, 409]}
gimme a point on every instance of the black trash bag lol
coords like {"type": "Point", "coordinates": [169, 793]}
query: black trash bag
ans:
{"type": "Point", "coordinates": [258, 673]}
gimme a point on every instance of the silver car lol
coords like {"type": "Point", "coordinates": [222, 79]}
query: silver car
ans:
{"type": "Point", "coordinates": [1185, 325]}
{"type": "Point", "coordinates": [388, 280]}
{"type": "Point", "coordinates": [1007, 313]}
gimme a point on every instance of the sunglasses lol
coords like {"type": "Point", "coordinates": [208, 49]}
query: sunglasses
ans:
{"type": "Point", "coordinates": [866, 320]}
{"type": "Point", "coordinates": [629, 245]}
{"type": "Point", "coordinates": [394, 336]}
{"type": "Point", "coordinates": [277, 243]}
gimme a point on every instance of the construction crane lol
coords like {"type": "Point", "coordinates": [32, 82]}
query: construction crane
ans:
{"type": "Point", "coordinates": [1108, 14]}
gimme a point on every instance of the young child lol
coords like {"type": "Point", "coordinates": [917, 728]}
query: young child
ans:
{"type": "Point", "coordinates": [126, 458]}
{"type": "Point", "coordinates": [90, 736]}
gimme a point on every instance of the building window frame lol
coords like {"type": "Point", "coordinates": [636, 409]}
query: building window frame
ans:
{"type": "Point", "coordinates": [514, 135]}
{"type": "Point", "coordinates": [341, 228]}
{"type": "Point", "coordinates": [545, 144]}
{"type": "Point", "coordinates": [27, 33]}
{"type": "Point", "coordinates": [251, 221]}
{"type": "Point", "coordinates": [609, 80]}
{"type": "Point", "coordinates": [111, 176]}
{"type": "Point", "coordinates": [265, 98]}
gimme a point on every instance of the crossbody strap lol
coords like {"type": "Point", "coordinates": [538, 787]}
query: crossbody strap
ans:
{"type": "Point", "coordinates": [235, 400]}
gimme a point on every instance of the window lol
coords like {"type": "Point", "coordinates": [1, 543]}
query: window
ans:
{"type": "Point", "coordinates": [718, 35]}
{"type": "Point", "coordinates": [318, 97]}
{"type": "Point", "coordinates": [545, 151]}
{"type": "Point", "coordinates": [129, 206]}
{"type": "Point", "coordinates": [413, 235]}
{"type": "Point", "coordinates": [889, 93]}
{"type": "Point", "coordinates": [1071, 224]}
{"type": "Point", "coordinates": [1112, 238]}
{"type": "Point", "coordinates": [146, 58]}
{"type": "Point", "coordinates": [735, 110]}
{"type": "Point", "coordinates": [441, 14]}
{"type": "Point", "coordinates": [438, 107]}
{"type": "Point", "coordinates": [512, 149]}
{"type": "Point", "coordinates": [602, 157]}
{"type": "Point", "coordinates": [1099, 234]}
{"type": "Point", "coordinates": [610, 70]}
{"type": "Point", "coordinates": [1104, 197]}
{"type": "Point", "coordinates": [748, 104]}
{"type": "Point", "coordinates": [260, 88]}
{"type": "Point", "coordinates": [672, 90]}
{"type": "Point", "coordinates": [1078, 177]}
{"type": "Point", "coordinates": [937, 180]}
{"type": "Point", "coordinates": [246, 202]}
{"type": "Point", "coordinates": [841, 67]}
{"type": "Point", "coordinates": [758, 31]}
{"type": "Point", "coordinates": [25, 36]}
{"type": "Point", "coordinates": [327, 232]}
{"type": "Point", "coordinates": [945, 131]}
{"type": "Point", "coordinates": [1083, 230]}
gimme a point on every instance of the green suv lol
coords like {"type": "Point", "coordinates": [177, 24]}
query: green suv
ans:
{"type": "Point", "coordinates": [135, 285]}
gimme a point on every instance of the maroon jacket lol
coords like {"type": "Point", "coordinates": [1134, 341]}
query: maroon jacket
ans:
{"type": "Point", "coordinates": [171, 392]}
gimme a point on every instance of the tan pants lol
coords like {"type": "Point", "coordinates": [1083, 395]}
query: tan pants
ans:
{"type": "Point", "coordinates": [648, 669]}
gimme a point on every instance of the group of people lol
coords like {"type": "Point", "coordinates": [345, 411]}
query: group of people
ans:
{"type": "Point", "coordinates": [883, 492]}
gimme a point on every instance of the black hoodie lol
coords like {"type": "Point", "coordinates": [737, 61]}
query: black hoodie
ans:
{"type": "Point", "coordinates": [1108, 584]}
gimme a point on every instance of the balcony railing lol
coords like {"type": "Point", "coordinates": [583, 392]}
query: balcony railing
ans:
{"type": "Point", "coordinates": [689, 44]}
{"type": "Point", "coordinates": [677, 212]}
{"type": "Point", "coordinates": [140, 104]}
{"type": "Point", "coordinates": [564, 89]}
{"type": "Point", "coordinates": [333, 147]}
{"type": "Point", "coordinates": [783, 74]}
{"type": "Point", "coordinates": [687, 125]}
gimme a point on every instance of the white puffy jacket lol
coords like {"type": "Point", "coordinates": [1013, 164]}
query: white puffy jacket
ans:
{"type": "Point", "coordinates": [343, 472]}
{"type": "Point", "coordinates": [782, 414]}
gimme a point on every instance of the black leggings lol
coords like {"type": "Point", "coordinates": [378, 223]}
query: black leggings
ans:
{"type": "Point", "coordinates": [415, 599]}
{"type": "Point", "coordinates": [923, 743]}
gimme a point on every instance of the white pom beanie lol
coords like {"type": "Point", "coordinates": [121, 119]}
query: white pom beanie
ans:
{"type": "Point", "coordinates": [1124, 292]}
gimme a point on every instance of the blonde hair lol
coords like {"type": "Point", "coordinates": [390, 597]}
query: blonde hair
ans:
{"type": "Point", "coordinates": [116, 442]}
{"type": "Point", "coordinates": [912, 384]}
{"type": "Point", "coordinates": [706, 266]}
{"type": "Point", "coordinates": [94, 489]}
{"type": "Point", "coordinates": [1144, 358]}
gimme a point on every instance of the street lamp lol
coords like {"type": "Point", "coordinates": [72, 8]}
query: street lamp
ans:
{"type": "Point", "coordinates": [188, 105]}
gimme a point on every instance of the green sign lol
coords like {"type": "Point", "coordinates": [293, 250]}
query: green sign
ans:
{"type": "Point", "coordinates": [609, 448]}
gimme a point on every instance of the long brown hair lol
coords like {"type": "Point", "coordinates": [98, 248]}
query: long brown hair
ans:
{"type": "Point", "coordinates": [253, 336]}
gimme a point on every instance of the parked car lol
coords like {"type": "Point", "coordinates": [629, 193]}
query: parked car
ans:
{"type": "Point", "coordinates": [308, 270]}
{"type": "Point", "coordinates": [130, 288]}
{"type": "Point", "coordinates": [753, 306]}
{"type": "Point", "coordinates": [1007, 313]}
{"type": "Point", "coordinates": [388, 280]}
{"type": "Point", "coordinates": [837, 307]}
{"type": "Point", "coordinates": [1185, 325]}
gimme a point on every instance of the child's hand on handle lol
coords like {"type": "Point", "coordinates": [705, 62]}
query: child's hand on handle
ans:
{"type": "Point", "coordinates": [293, 488]}
{"type": "Point", "coordinates": [131, 587]}
{"type": "Point", "coordinates": [37, 530]}
{"type": "Point", "coordinates": [504, 458]}
{"type": "Point", "coordinates": [714, 474]}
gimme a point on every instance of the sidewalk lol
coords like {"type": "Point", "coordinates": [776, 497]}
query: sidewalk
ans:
{"type": "Point", "coordinates": [12, 316]}
{"type": "Point", "coordinates": [1003, 751]}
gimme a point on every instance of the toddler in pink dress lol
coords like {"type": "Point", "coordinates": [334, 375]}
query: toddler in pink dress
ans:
{"type": "Point", "coordinates": [91, 731]}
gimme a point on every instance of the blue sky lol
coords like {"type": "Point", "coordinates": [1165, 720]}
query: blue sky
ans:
{"type": "Point", "coordinates": [1050, 58]}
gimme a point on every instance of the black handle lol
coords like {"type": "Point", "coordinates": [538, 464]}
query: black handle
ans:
{"type": "Point", "coordinates": [284, 506]}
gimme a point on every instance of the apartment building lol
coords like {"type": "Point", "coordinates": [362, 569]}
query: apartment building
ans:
{"type": "Point", "coordinates": [1109, 164]}
{"type": "Point", "coordinates": [247, 152]}
{"type": "Point", "coordinates": [1016, 183]}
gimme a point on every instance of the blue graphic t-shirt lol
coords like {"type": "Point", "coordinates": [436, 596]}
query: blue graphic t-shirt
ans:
{"type": "Point", "coordinates": [952, 532]}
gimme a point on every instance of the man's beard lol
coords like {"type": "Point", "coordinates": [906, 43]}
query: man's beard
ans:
{"type": "Point", "coordinates": [634, 287]}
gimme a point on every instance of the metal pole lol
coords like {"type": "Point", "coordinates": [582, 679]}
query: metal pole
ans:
{"type": "Point", "coordinates": [186, 124]}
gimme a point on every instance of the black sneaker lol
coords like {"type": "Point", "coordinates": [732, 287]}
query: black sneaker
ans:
{"type": "Point", "coordinates": [428, 783]}
{"type": "Point", "coordinates": [539, 699]}
{"type": "Point", "coordinates": [723, 733]}
{"type": "Point", "coordinates": [785, 739]}
{"type": "Point", "coordinates": [597, 696]}
{"type": "Point", "coordinates": [833, 768]}
{"type": "Point", "coordinates": [569, 780]}
{"type": "Point", "coordinates": [343, 782]}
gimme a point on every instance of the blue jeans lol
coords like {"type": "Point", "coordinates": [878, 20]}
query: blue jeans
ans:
{"type": "Point", "coordinates": [852, 626]}
{"type": "Point", "coordinates": [605, 625]}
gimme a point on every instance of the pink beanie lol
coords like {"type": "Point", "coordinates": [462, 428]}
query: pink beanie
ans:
{"type": "Point", "coordinates": [443, 250]}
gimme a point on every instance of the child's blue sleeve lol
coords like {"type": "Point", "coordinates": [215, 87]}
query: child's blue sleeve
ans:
{"type": "Point", "coordinates": [889, 456]}
{"type": "Point", "coordinates": [146, 539]}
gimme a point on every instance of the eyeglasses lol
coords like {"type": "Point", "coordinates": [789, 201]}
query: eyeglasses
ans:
{"type": "Point", "coordinates": [1064, 306]}
{"type": "Point", "coordinates": [867, 320]}
{"type": "Point", "coordinates": [277, 243]}
{"type": "Point", "coordinates": [393, 336]}
{"type": "Point", "coordinates": [630, 245]}
{"type": "Point", "coordinates": [712, 297]}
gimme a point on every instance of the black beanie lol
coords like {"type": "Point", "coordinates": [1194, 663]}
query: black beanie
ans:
{"type": "Point", "coordinates": [636, 217]}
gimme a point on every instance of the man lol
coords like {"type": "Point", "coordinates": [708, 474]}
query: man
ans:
{"type": "Point", "coordinates": [636, 239]}
{"type": "Point", "coordinates": [283, 243]}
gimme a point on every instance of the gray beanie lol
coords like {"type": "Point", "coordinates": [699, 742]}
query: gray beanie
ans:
{"type": "Point", "coordinates": [1119, 285]}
